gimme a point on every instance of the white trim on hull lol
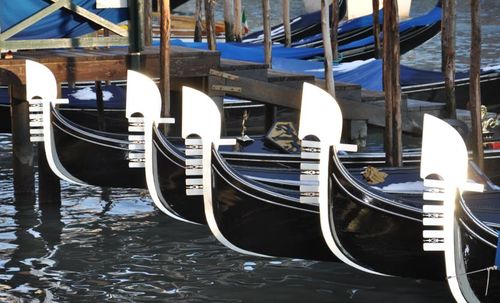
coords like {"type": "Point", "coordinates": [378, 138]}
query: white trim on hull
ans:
{"type": "Point", "coordinates": [41, 87]}
{"type": "Point", "coordinates": [320, 115]}
{"type": "Point", "coordinates": [200, 116]}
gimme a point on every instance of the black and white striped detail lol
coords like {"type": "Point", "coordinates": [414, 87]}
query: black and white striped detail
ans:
{"type": "Point", "coordinates": [136, 155]}
{"type": "Point", "coordinates": [36, 120]}
{"type": "Point", "coordinates": [309, 172]}
{"type": "Point", "coordinates": [194, 167]}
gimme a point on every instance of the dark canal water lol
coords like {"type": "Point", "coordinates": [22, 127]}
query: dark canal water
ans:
{"type": "Point", "coordinates": [115, 246]}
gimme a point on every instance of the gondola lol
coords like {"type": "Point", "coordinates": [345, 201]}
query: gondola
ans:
{"type": "Point", "coordinates": [470, 243]}
{"type": "Point", "coordinates": [74, 153]}
{"type": "Point", "coordinates": [301, 26]}
{"type": "Point", "coordinates": [246, 216]}
{"type": "Point", "coordinates": [413, 32]}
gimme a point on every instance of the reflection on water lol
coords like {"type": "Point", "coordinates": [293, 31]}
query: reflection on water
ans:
{"type": "Point", "coordinates": [120, 249]}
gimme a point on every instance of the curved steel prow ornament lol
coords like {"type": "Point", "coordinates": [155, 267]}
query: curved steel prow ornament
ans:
{"type": "Point", "coordinates": [444, 157]}
{"type": "Point", "coordinates": [320, 116]}
{"type": "Point", "coordinates": [143, 98]}
{"type": "Point", "coordinates": [201, 117]}
{"type": "Point", "coordinates": [41, 93]}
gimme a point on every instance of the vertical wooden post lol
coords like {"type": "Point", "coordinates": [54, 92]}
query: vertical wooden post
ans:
{"type": "Point", "coordinates": [444, 29]}
{"type": "Point", "coordinates": [148, 22]}
{"type": "Point", "coordinates": [376, 28]}
{"type": "Point", "coordinates": [335, 27]}
{"type": "Point", "coordinates": [475, 85]}
{"type": "Point", "coordinates": [136, 32]}
{"type": "Point", "coordinates": [228, 20]}
{"type": "Point", "coordinates": [448, 27]}
{"type": "Point", "coordinates": [165, 25]}
{"type": "Point", "coordinates": [393, 131]}
{"type": "Point", "coordinates": [198, 32]}
{"type": "Point", "coordinates": [101, 124]}
{"type": "Point", "coordinates": [22, 149]}
{"type": "Point", "coordinates": [238, 27]}
{"type": "Point", "coordinates": [327, 45]}
{"type": "Point", "coordinates": [286, 23]}
{"type": "Point", "coordinates": [266, 14]}
{"type": "Point", "coordinates": [210, 24]}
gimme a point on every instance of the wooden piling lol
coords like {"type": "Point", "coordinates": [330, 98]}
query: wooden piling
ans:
{"type": "Point", "coordinates": [391, 52]}
{"type": "Point", "coordinates": [198, 35]}
{"type": "Point", "coordinates": [210, 24]}
{"type": "Point", "coordinates": [376, 28]}
{"type": "Point", "coordinates": [448, 40]}
{"type": "Point", "coordinates": [286, 23]}
{"type": "Point", "coordinates": [327, 46]}
{"type": "Point", "coordinates": [238, 28]}
{"type": "Point", "coordinates": [165, 25]}
{"type": "Point", "coordinates": [266, 15]}
{"type": "Point", "coordinates": [334, 28]}
{"type": "Point", "coordinates": [22, 149]}
{"type": "Point", "coordinates": [136, 32]}
{"type": "Point", "coordinates": [228, 20]}
{"type": "Point", "coordinates": [148, 22]}
{"type": "Point", "coordinates": [475, 84]}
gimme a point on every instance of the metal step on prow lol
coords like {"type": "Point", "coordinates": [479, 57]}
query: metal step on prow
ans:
{"type": "Point", "coordinates": [309, 172]}
{"type": "Point", "coordinates": [136, 155]}
{"type": "Point", "coordinates": [194, 167]}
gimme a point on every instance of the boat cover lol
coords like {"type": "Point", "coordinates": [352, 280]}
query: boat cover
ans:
{"type": "Point", "coordinates": [60, 24]}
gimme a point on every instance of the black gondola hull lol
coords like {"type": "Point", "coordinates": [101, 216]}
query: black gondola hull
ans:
{"type": "Point", "coordinates": [264, 222]}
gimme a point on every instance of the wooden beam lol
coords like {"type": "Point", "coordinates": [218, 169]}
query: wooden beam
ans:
{"type": "Point", "coordinates": [64, 43]}
{"type": "Point", "coordinates": [93, 17]}
{"type": "Point", "coordinates": [33, 19]}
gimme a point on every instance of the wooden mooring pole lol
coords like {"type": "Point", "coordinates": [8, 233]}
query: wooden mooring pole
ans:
{"type": "Point", "coordinates": [238, 27]}
{"type": "Point", "coordinates": [198, 33]}
{"type": "Point", "coordinates": [393, 133]}
{"type": "Point", "coordinates": [228, 20]}
{"type": "Point", "coordinates": [266, 15]}
{"type": "Point", "coordinates": [210, 23]}
{"type": "Point", "coordinates": [148, 22]}
{"type": "Point", "coordinates": [136, 32]}
{"type": "Point", "coordinates": [475, 84]}
{"type": "Point", "coordinates": [165, 25]}
{"type": "Point", "coordinates": [335, 28]}
{"type": "Point", "coordinates": [286, 23]}
{"type": "Point", "coordinates": [376, 28]}
{"type": "Point", "coordinates": [22, 148]}
{"type": "Point", "coordinates": [448, 40]}
{"type": "Point", "coordinates": [327, 46]}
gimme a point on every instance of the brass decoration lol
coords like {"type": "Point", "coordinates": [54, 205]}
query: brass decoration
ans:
{"type": "Point", "coordinates": [244, 137]}
{"type": "Point", "coordinates": [488, 124]}
{"type": "Point", "coordinates": [373, 176]}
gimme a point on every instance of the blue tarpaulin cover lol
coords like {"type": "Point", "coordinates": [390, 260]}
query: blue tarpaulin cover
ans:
{"type": "Point", "coordinates": [60, 24]}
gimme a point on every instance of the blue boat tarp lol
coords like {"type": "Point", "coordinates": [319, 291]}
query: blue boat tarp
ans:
{"type": "Point", "coordinates": [344, 28]}
{"type": "Point", "coordinates": [60, 24]}
{"type": "Point", "coordinates": [252, 52]}
{"type": "Point", "coordinates": [432, 17]}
